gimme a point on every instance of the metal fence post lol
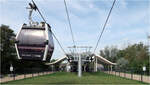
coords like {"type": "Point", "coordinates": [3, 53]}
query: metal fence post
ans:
{"type": "Point", "coordinates": [115, 72]}
{"type": "Point", "coordinates": [24, 74]}
{"type": "Point", "coordinates": [32, 72]}
{"type": "Point", "coordinates": [125, 73]}
{"type": "Point", "coordinates": [13, 75]}
{"type": "Point", "coordinates": [141, 76]}
{"type": "Point", "coordinates": [119, 72]}
{"type": "Point", "coordinates": [131, 74]}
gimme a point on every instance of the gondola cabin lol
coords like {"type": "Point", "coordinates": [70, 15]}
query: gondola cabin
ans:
{"type": "Point", "coordinates": [35, 42]}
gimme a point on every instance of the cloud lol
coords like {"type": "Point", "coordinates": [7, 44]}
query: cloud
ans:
{"type": "Point", "coordinates": [128, 21]}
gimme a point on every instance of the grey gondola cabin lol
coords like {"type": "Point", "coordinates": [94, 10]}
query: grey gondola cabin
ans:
{"type": "Point", "coordinates": [34, 41]}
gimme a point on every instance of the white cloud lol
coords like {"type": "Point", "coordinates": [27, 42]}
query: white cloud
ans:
{"type": "Point", "coordinates": [87, 20]}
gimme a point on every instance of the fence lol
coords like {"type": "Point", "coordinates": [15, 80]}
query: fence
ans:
{"type": "Point", "coordinates": [130, 73]}
{"type": "Point", "coordinates": [25, 73]}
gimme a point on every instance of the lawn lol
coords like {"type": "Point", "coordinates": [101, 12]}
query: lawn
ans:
{"type": "Point", "coordinates": [72, 78]}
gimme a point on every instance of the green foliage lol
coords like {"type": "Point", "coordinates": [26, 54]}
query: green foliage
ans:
{"type": "Point", "coordinates": [137, 54]}
{"type": "Point", "coordinates": [122, 63]}
{"type": "Point", "coordinates": [110, 53]}
{"type": "Point", "coordinates": [134, 56]}
{"type": "Point", "coordinates": [7, 47]}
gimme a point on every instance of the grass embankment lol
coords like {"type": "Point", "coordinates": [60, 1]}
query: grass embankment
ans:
{"type": "Point", "coordinates": [72, 78]}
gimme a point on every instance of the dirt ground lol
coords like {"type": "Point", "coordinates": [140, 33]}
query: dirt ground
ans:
{"type": "Point", "coordinates": [5, 79]}
{"type": "Point", "coordinates": [134, 77]}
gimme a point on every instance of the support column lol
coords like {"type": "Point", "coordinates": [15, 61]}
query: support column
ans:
{"type": "Point", "coordinates": [52, 68]}
{"type": "Point", "coordinates": [79, 66]}
{"type": "Point", "coordinates": [108, 68]}
{"type": "Point", "coordinates": [96, 65]}
{"type": "Point", "coordinates": [111, 67]}
{"type": "Point", "coordinates": [85, 68]}
{"type": "Point", "coordinates": [68, 68]}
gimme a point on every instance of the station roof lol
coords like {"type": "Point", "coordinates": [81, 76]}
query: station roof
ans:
{"type": "Point", "coordinates": [104, 60]}
{"type": "Point", "coordinates": [57, 61]}
{"type": "Point", "coordinates": [100, 58]}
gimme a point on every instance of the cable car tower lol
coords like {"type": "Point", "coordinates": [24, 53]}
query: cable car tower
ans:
{"type": "Point", "coordinates": [80, 57]}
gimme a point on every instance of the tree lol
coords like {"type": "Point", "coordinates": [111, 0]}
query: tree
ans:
{"type": "Point", "coordinates": [122, 63]}
{"type": "Point", "coordinates": [105, 53]}
{"type": "Point", "coordinates": [110, 53]}
{"type": "Point", "coordinates": [134, 56]}
{"type": "Point", "coordinates": [7, 47]}
{"type": "Point", "coordinates": [137, 55]}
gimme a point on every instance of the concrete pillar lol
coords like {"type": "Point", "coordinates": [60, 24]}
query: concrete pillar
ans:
{"type": "Point", "coordinates": [111, 67]}
{"type": "Point", "coordinates": [52, 68]}
{"type": "Point", "coordinates": [96, 64]}
{"type": "Point", "coordinates": [79, 66]}
{"type": "Point", "coordinates": [85, 68]}
{"type": "Point", "coordinates": [108, 68]}
{"type": "Point", "coordinates": [68, 67]}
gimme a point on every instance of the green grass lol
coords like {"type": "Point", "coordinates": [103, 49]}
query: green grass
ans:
{"type": "Point", "coordinates": [72, 78]}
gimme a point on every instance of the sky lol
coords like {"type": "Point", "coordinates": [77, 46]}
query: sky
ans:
{"type": "Point", "coordinates": [129, 21]}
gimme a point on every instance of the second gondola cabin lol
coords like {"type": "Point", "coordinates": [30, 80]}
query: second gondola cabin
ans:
{"type": "Point", "coordinates": [35, 42]}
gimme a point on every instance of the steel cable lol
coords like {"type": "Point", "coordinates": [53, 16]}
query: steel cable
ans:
{"type": "Point", "coordinates": [100, 36]}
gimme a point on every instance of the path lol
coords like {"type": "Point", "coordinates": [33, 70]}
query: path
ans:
{"type": "Point", "coordinates": [134, 76]}
{"type": "Point", "coordinates": [5, 79]}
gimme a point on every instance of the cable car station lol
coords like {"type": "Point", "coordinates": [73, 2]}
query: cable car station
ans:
{"type": "Point", "coordinates": [34, 42]}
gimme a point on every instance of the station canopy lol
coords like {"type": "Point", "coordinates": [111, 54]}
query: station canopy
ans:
{"type": "Point", "coordinates": [99, 58]}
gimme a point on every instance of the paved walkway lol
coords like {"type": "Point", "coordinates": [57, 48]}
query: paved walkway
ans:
{"type": "Point", "coordinates": [5, 79]}
{"type": "Point", "coordinates": [134, 76]}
